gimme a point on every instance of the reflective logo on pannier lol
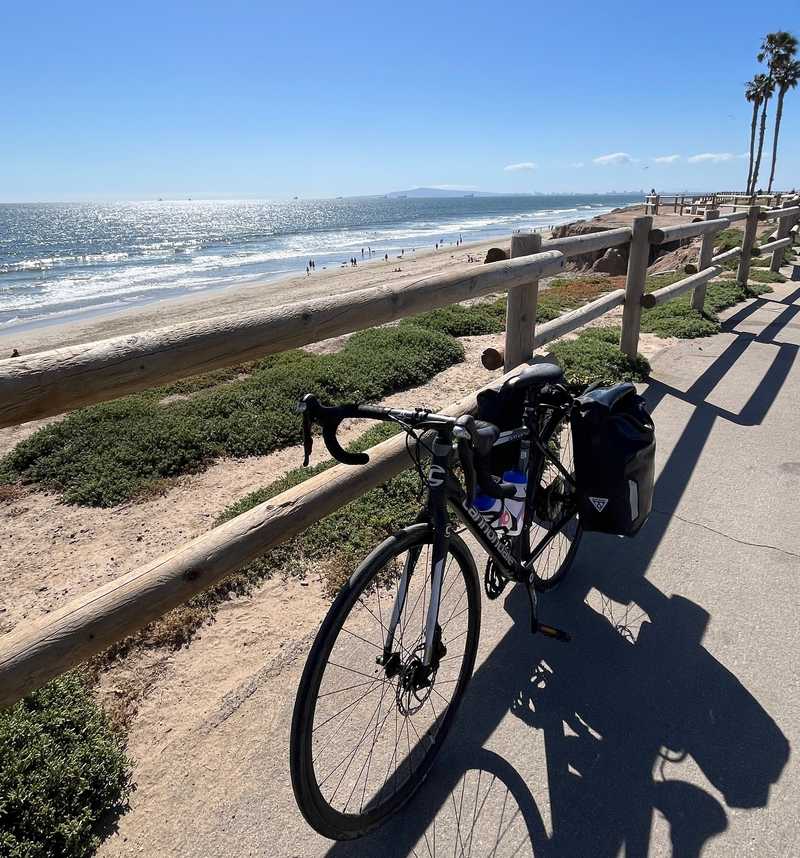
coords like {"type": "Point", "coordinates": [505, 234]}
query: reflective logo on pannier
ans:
{"type": "Point", "coordinates": [599, 503]}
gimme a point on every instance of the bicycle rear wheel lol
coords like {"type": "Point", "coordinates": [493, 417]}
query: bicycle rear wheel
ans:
{"type": "Point", "coordinates": [363, 737]}
{"type": "Point", "coordinates": [555, 529]}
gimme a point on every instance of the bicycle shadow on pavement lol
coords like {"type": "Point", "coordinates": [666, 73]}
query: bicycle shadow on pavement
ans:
{"type": "Point", "coordinates": [616, 708]}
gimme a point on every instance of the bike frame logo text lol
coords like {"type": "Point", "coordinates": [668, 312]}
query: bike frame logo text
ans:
{"type": "Point", "coordinates": [489, 532]}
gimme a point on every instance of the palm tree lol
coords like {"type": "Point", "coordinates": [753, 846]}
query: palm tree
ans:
{"type": "Point", "coordinates": [767, 88]}
{"type": "Point", "coordinates": [787, 76]}
{"type": "Point", "coordinates": [753, 92]}
{"type": "Point", "coordinates": [779, 49]}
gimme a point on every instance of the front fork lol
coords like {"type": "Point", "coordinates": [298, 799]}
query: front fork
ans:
{"type": "Point", "coordinates": [440, 526]}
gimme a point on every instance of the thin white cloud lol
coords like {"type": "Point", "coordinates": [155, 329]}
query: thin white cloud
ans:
{"type": "Point", "coordinates": [578, 164]}
{"type": "Point", "coordinates": [713, 157]}
{"type": "Point", "coordinates": [666, 159]}
{"type": "Point", "coordinates": [613, 158]}
{"type": "Point", "coordinates": [523, 165]}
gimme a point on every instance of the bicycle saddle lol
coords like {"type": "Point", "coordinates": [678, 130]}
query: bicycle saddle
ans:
{"type": "Point", "coordinates": [535, 376]}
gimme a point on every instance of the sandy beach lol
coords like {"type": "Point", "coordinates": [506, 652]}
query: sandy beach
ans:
{"type": "Point", "coordinates": [239, 299]}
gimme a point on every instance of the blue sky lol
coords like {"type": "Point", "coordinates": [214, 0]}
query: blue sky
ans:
{"type": "Point", "coordinates": [139, 100]}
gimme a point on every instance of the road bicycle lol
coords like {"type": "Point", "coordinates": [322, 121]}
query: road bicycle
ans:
{"type": "Point", "coordinates": [392, 658]}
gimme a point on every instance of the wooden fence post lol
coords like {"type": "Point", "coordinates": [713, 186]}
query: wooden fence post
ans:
{"type": "Point", "coordinates": [656, 204]}
{"type": "Point", "coordinates": [751, 225]}
{"type": "Point", "coordinates": [521, 305]}
{"type": "Point", "coordinates": [638, 259]}
{"type": "Point", "coordinates": [784, 225]}
{"type": "Point", "coordinates": [683, 198]}
{"type": "Point", "coordinates": [704, 261]}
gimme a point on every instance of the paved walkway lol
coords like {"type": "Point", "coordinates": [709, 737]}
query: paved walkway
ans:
{"type": "Point", "coordinates": [665, 728]}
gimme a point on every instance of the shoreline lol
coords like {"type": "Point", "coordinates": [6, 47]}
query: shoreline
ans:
{"type": "Point", "coordinates": [110, 322]}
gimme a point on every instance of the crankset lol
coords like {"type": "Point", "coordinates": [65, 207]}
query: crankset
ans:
{"type": "Point", "coordinates": [494, 582]}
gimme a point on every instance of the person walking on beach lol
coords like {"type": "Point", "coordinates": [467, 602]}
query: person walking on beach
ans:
{"type": "Point", "coordinates": [307, 271]}
{"type": "Point", "coordinates": [385, 257]}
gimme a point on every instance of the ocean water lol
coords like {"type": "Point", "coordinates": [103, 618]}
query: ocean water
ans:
{"type": "Point", "coordinates": [59, 261]}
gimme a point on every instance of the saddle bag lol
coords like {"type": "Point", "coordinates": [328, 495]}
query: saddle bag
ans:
{"type": "Point", "coordinates": [614, 444]}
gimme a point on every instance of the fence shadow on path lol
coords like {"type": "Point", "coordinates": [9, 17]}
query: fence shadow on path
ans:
{"type": "Point", "coordinates": [634, 691]}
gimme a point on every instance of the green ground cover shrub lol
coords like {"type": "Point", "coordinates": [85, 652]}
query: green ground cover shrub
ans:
{"type": "Point", "coordinates": [764, 275]}
{"type": "Point", "coordinates": [727, 239]}
{"type": "Point", "coordinates": [105, 454]}
{"type": "Point", "coordinates": [63, 772]}
{"type": "Point", "coordinates": [595, 356]}
{"type": "Point", "coordinates": [459, 320]}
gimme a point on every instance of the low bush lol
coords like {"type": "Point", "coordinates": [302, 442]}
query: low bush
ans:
{"type": "Point", "coordinates": [727, 239]}
{"type": "Point", "coordinates": [459, 320]}
{"type": "Point", "coordinates": [595, 356]}
{"type": "Point", "coordinates": [764, 275]}
{"type": "Point", "coordinates": [63, 772]}
{"type": "Point", "coordinates": [103, 455]}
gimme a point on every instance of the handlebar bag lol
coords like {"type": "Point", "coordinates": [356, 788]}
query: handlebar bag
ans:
{"type": "Point", "coordinates": [504, 408]}
{"type": "Point", "coordinates": [614, 443]}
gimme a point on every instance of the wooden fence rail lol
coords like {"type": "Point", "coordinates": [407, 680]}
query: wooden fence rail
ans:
{"type": "Point", "coordinates": [51, 382]}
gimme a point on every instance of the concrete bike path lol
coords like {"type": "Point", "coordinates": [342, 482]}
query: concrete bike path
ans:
{"type": "Point", "coordinates": [665, 727]}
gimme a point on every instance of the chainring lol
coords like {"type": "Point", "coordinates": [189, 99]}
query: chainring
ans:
{"type": "Point", "coordinates": [493, 581]}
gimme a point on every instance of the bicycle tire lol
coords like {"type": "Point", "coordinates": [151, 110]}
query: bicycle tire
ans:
{"type": "Point", "coordinates": [318, 810]}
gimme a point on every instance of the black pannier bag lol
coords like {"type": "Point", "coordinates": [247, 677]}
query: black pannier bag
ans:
{"type": "Point", "coordinates": [504, 408]}
{"type": "Point", "coordinates": [614, 443]}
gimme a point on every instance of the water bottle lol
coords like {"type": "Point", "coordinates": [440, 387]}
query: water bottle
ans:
{"type": "Point", "coordinates": [490, 508]}
{"type": "Point", "coordinates": [513, 515]}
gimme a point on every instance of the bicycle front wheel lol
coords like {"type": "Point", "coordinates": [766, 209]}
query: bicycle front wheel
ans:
{"type": "Point", "coordinates": [364, 735]}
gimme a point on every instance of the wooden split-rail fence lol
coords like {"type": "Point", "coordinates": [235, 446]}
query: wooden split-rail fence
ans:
{"type": "Point", "coordinates": [49, 383]}
{"type": "Point", "coordinates": [693, 204]}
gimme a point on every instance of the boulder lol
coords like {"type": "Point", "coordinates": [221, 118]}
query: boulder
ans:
{"type": "Point", "coordinates": [495, 254]}
{"type": "Point", "coordinates": [613, 262]}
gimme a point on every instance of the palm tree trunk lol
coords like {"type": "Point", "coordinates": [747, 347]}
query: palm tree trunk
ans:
{"type": "Point", "coordinates": [778, 114]}
{"type": "Point", "coordinates": [752, 144]}
{"type": "Point", "coordinates": [761, 132]}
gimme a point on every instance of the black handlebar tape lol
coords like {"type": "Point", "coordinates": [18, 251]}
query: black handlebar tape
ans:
{"type": "Point", "coordinates": [308, 439]}
{"type": "Point", "coordinates": [329, 429]}
{"type": "Point", "coordinates": [468, 467]}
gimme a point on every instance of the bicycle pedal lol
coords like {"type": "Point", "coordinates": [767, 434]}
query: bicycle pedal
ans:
{"type": "Point", "coordinates": [554, 633]}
